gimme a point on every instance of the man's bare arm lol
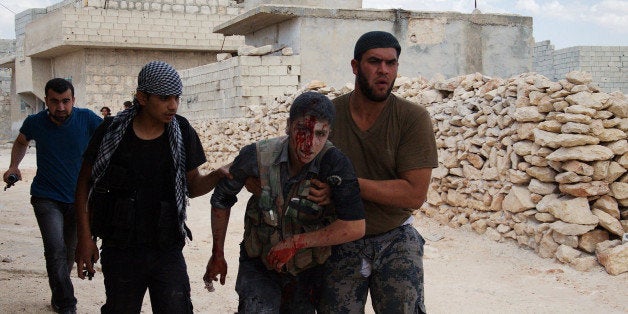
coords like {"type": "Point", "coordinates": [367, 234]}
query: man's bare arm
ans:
{"type": "Point", "coordinates": [18, 151]}
{"type": "Point", "coordinates": [409, 191]}
{"type": "Point", "coordinates": [217, 265]}
{"type": "Point", "coordinates": [200, 184]}
{"type": "Point", "coordinates": [338, 232]}
{"type": "Point", "coordinates": [86, 249]}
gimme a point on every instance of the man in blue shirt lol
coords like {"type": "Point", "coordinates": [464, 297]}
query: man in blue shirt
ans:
{"type": "Point", "coordinates": [61, 133]}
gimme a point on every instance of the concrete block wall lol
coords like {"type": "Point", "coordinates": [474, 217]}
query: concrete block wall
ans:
{"type": "Point", "coordinates": [166, 24]}
{"type": "Point", "coordinates": [5, 116]}
{"type": "Point", "coordinates": [229, 88]}
{"type": "Point", "coordinates": [608, 65]}
{"type": "Point", "coordinates": [432, 43]}
{"type": "Point", "coordinates": [543, 62]}
{"type": "Point", "coordinates": [7, 47]}
{"type": "Point", "coordinates": [110, 75]}
{"type": "Point", "coordinates": [333, 4]}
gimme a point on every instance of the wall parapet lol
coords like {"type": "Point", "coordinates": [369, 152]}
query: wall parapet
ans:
{"type": "Point", "coordinates": [131, 24]}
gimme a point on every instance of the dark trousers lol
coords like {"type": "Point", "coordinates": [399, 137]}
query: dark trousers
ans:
{"type": "Point", "coordinates": [266, 291]}
{"type": "Point", "coordinates": [396, 280]}
{"type": "Point", "coordinates": [57, 224]}
{"type": "Point", "coordinates": [130, 272]}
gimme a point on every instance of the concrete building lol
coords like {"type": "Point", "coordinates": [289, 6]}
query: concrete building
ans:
{"type": "Point", "coordinates": [607, 64]}
{"type": "Point", "coordinates": [446, 43]}
{"type": "Point", "coordinates": [101, 44]}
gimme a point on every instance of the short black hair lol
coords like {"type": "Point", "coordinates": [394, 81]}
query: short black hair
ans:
{"type": "Point", "coordinates": [58, 85]}
{"type": "Point", "coordinates": [105, 108]}
{"type": "Point", "coordinates": [313, 104]}
{"type": "Point", "coordinates": [127, 104]}
{"type": "Point", "coordinates": [375, 39]}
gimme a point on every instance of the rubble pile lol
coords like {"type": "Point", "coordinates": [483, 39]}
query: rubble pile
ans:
{"type": "Point", "coordinates": [522, 159]}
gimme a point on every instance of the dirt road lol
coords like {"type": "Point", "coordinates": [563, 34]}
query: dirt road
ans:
{"type": "Point", "coordinates": [464, 272]}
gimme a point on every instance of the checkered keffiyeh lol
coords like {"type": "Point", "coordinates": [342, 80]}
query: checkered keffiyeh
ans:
{"type": "Point", "coordinates": [157, 78]}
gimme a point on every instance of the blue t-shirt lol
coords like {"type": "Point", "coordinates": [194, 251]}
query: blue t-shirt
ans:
{"type": "Point", "coordinates": [59, 151]}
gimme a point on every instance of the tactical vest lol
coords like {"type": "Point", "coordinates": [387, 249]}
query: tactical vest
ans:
{"type": "Point", "coordinates": [270, 219]}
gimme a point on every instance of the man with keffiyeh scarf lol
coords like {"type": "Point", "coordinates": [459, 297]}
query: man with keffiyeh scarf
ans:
{"type": "Point", "coordinates": [137, 173]}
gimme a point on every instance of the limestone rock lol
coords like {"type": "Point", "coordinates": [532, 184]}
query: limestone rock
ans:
{"type": "Point", "coordinates": [554, 140]}
{"type": "Point", "coordinates": [584, 263]}
{"type": "Point", "coordinates": [619, 190]}
{"type": "Point", "coordinates": [585, 189]}
{"type": "Point", "coordinates": [570, 229]}
{"type": "Point", "coordinates": [567, 254]}
{"type": "Point", "coordinates": [608, 222]}
{"type": "Point", "coordinates": [579, 77]}
{"type": "Point", "coordinates": [573, 210]}
{"type": "Point", "coordinates": [582, 153]}
{"type": "Point", "coordinates": [615, 259]}
{"type": "Point", "coordinates": [518, 200]}
{"type": "Point", "coordinates": [608, 205]}
{"type": "Point", "coordinates": [589, 240]}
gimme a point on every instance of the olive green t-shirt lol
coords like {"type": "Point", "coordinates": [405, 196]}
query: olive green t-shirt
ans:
{"type": "Point", "coordinates": [401, 139]}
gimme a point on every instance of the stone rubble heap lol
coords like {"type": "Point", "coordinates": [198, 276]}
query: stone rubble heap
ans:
{"type": "Point", "coordinates": [525, 159]}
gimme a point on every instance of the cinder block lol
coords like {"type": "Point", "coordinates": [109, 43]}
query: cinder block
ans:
{"type": "Point", "coordinates": [277, 70]}
{"type": "Point", "coordinates": [250, 60]}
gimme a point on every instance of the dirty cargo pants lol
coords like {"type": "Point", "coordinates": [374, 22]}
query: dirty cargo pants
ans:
{"type": "Point", "coordinates": [396, 274]}
{"type": "Point", "coordinates": [266, 291]}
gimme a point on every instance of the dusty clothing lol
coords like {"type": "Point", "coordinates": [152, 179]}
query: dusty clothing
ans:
{"type": "Point", "coordinates": [345, 196]}
{"type": "Point", "coordinates": [146, 209]}
{"type": "Point", "coordinates": [401, 139]}
{"type": "Point", "coordinates": [264, 291]}
{"type": "Point", "coordinates": [396, 279]}
{"type": "Point", "coordinates": [275, 217]}
{"type": "Point", "coordinates": [139, 221]}
{"type": "Point", "coordinates": [59, 150]}
{"type": "Point", "coordinates": [388, 261]}
{"type": "Point", "coordinates": [252, 270]}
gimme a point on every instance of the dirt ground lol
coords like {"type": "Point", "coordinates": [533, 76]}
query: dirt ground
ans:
{"type": "Point", "coordinates": [464, 272]}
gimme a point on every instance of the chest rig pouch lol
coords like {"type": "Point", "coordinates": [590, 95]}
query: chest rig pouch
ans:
{"type": "Point", "coordinates": [270, 218]}
{"type": "Point", "coordinates": [112, 204]}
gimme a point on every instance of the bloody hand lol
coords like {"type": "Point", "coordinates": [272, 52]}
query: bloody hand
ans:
{"type": "Point", "coordinates": [282, 252]}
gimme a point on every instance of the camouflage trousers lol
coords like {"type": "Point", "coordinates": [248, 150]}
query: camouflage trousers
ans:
{"type": "Point", "coordinates": [263, 291]}
{"type": "Point", "coordinates": [395, 281]}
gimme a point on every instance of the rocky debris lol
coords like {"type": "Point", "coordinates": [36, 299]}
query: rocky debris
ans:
{"type": "Point", "coordinates": [522, 159]}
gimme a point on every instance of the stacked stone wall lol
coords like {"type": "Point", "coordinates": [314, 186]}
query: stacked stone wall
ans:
{"type": "Point", "coordinates": [231, 87]}
{"type": "Point", "coordinates": [539, 163]}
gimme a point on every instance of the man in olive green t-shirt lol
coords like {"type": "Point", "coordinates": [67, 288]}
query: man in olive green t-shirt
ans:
{"type": "Point", "coordinates": [391, 143]}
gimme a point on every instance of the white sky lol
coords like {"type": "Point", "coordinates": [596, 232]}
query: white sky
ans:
{"type": "Point", "coordinates": [565, 23]}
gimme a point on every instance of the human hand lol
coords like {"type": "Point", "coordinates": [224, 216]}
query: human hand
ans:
{"type": "Point", "coordinates": [320, 192]}
{"type": "Point", "coordinates": [217, 265]}
{"type": "Point", "coordinates": [283, 252]}
{"type": "Point", "coordinates": [224, 171]}
{"type": "Point", "coordinates": [253, 185]}
{"type": "Point", "coordinates": [85, 256]}
{"type": "Point", "coordinates": [9, 172]}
